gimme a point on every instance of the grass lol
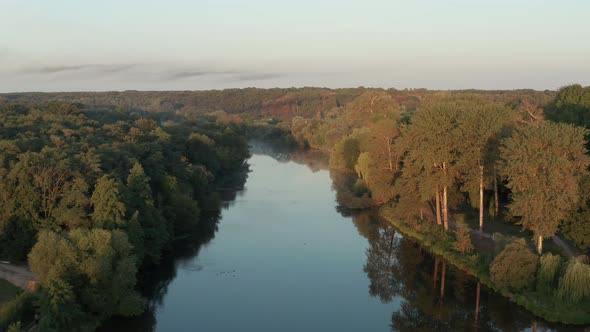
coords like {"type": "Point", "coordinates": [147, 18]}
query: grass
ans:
{"type": "Point", "coordinates": [541, 305]}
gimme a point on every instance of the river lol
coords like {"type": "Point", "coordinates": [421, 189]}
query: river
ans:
{"type": "Point", "coordinates": [282, 257]}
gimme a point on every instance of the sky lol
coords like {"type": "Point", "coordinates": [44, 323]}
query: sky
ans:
{"type": "Point", "coordinates": [73, 45]}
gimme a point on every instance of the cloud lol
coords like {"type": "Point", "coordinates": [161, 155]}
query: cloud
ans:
{"type": "Point", "coordinates": [147, 72]}
{"type": "Point", "coordinates": [232, 75]}
{"type": "Point", "coordinates": [99, 68]}
{"type": "Point", "coordinates": [191, 73]}
{"type": "Point", "coordinates": [251, 76]}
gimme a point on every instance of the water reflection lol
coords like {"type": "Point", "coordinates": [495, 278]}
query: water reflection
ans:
{"type": "Point", "coordinates": [430, 294]}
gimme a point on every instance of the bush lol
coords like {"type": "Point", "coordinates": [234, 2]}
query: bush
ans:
{"type": "Point", "coordinates": [574, 285]}
{"type": "Point", "coordinates": [548, 267]}
{"type": "Point", "coordinates": [463, 239]}
{"type": "Point", "coordinates": [515, 267]}
{"type": "Point", "coordinates": [20, 309]}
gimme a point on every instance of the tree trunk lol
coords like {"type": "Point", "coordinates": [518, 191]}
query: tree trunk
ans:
{"type": "Point", "coordinates": [445, 205]}
{"type": "Point", "coordinates": [496, 198]}
{"type": "Point", "coordinates": [445, 209]}
{"type": "Point", "coordinates": [438, 222]}
{"type": "Point", "coordinates": [421, 214]}
{"type": "Point", "coordinates": [481, 198]}
{"type": "Point", "coordinates": [390, 159]}
{"type": "Point", "coordinates": [540, 244]}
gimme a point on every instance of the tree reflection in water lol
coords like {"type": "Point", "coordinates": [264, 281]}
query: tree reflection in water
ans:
{"type": "Point", "coordinates": [433, 295]}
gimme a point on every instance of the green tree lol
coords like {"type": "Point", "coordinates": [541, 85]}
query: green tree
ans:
{"type": "Point", "coordinates": [86, 276]}
{"type": "Point", "coordinates": [571, 105]}
{"type": "Point", "coordinates": [71, 211]}
{"type": "Point", "coordinates": [479, 126]}
{"type": "Point", "coordinates": [154, 231]}
{"type": "Point", "coordinates": [549, 266]}
{"type": "Point", "coordinates": [431, 141]}
{"type": "Point", "coordinates": [345, 154]}
{"type": "Point", "coordinates": [576, 226]}
{"type": "Point", "coordinates": [108, 209]}
{"type": "Point", "coordinates": [543, 166]}
{"type": "Point", "coordinates": [574, 285]}
{"type": "Point", "coordinates": [378, 180]}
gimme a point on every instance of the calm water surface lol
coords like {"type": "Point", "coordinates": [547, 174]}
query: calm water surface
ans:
{"type": "Point", "coordinates": [283, 258]}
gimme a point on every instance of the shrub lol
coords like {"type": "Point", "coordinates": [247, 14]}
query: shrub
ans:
{"type": "Point", "coordinates": [574, 285]}
{"type": "Point", "coordinates": [463, 239]}
{"type": "Point", "coordinates": [548, 266]}
{"type": "Point", "coordinates": [20, 309]}
{"type": "Point", "coordinates": [515, 267]}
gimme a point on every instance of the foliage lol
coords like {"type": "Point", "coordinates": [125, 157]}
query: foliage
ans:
{"type": "Point", "coordinates": [20, 309]}
{"type": "Point", "coordinates": [543, 166]}
{"type": "Point", "coordinates": [549, 266]}
{"type": "Point", "coordinates": [345, 154]}
{"type": "Point", "coordinates": [108, 209]}
{"type": "Point", "coordinates": [576, 225]}
{"type": "Point", "coordinates": [86, 276]}
{"type": "Point", "coordinates": [571, 105]}
{"type": "Point", "coordinates": [463, 238]}
{"type": "Point", "coordinates": [574, 285]}
{"type": "Point", "coordinates": [514, 268]}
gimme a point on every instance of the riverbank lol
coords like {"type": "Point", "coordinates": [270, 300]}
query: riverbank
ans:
{"type": "Point", "coordinates": [541, 305]}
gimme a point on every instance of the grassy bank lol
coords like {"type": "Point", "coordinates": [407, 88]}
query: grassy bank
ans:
{"type": "Point", "coordinates": [540, 304]}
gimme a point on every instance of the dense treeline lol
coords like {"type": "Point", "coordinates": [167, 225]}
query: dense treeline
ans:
{"type": "Point", "coordinates": [92, 195]}
{"type": "Point", "coordinates": [253, 102]}
{"type": "Point", "coordinates": [459, 147]}
{"type": "Point", "coordinates": [87, 169]}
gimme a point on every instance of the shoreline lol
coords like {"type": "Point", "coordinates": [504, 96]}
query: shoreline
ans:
{"type": "Point", "coordinates": [542, 307]}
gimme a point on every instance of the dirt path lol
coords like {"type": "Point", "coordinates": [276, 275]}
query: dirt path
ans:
{"type": "Point", "coordinates": [475, 232]}
{"type": "Point", "coordinates": [557, 240]}
{"type": "Point", "coordinates": [18, 275]}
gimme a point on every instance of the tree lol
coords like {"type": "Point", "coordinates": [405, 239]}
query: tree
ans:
{"type": "Point", "coordinates": [576, 225]}
{"type": "Point", "coordinates": [543, 166]}
{"type": "Point", "coordinates": [108, 209]}
{"type": "Point", "coordinates": [86, 276]}
{"type": "Point", "coordinates": [154, 231]}
{"type": "Point", "coordinates": [378, 180]}
{"type": "Point", "coordinates": [549, 266]}
{"type": "Point", "coordinates": [431, 151]}
{"type": "Point", "coordinates": [72, 209]}
{"type": "Point", "coordinates": [138, 188]}
{"type": "Point", "coordinates": [574, 285]}
{"type": "Point", "coordinates": [345, 154]}
{"type": "Point", "coordinates": [571, 105]}
{"type": "Point", "coordinates": [479, 126]}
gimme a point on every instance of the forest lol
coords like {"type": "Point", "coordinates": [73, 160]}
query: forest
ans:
{"type": "Point", "coordinates": [97, 185]}
{"type": "Point", "coordinates": [92, 197]}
